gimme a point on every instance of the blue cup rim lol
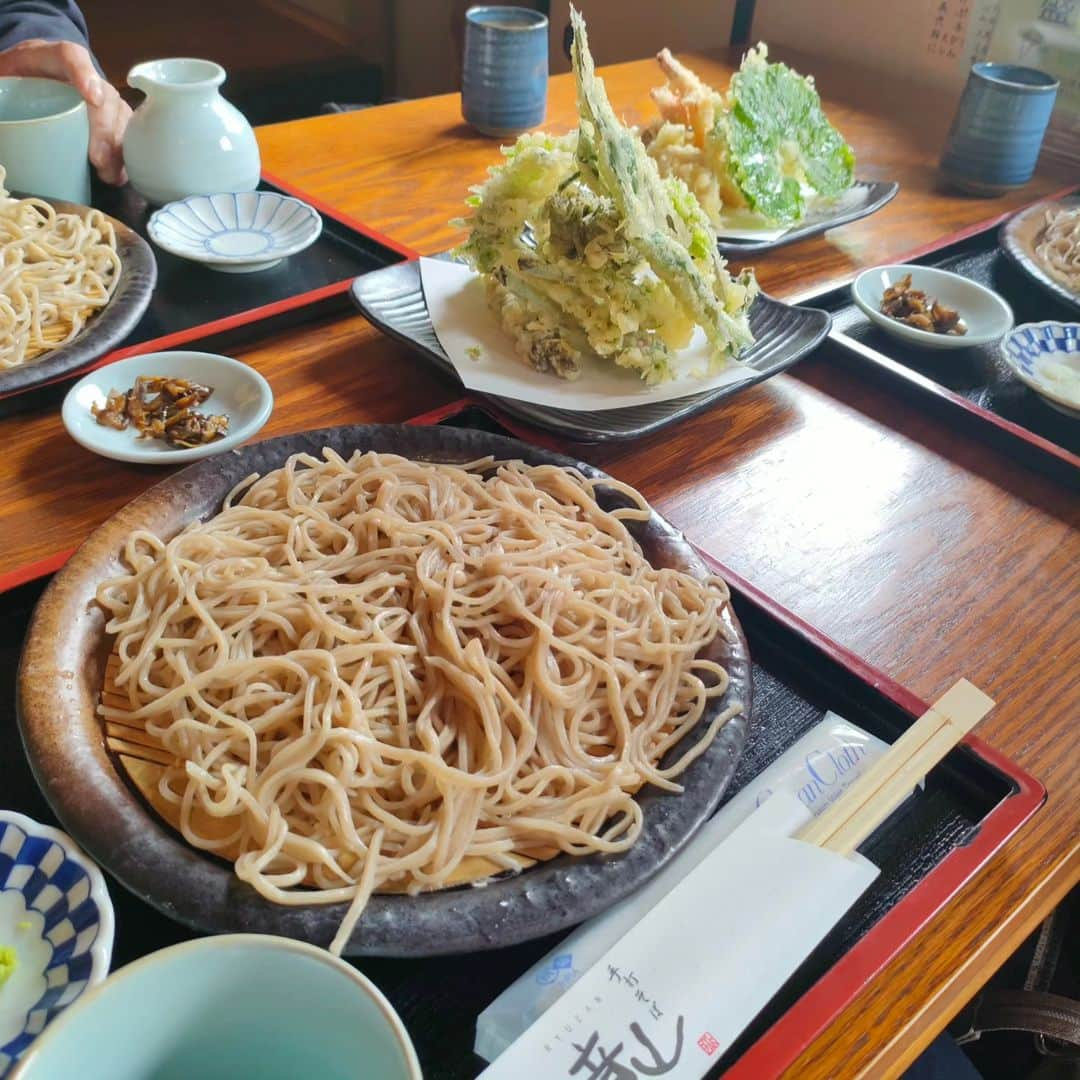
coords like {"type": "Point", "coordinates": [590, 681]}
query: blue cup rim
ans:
{"type": "Point", "coordinates": [988, 70]}
{"type": "Point", "coordinates": [527, 18]}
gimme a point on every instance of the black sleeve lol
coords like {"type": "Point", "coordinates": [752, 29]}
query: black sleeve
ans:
{"type": "Point", "coordinates": [53, 20]}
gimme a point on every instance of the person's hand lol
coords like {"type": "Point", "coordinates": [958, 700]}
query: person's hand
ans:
{"type": "Point", "coordinates": [108, 112]}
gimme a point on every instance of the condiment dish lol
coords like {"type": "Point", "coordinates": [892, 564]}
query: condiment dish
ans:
{"type": "Point", "coordinates": [56, 930]}
{"type": "Point", "coordinates": [239, 392]}
{"type": "Point", "coordinates": [1030, 350]}
{"type": "Point", "coordinates": [986, 315]}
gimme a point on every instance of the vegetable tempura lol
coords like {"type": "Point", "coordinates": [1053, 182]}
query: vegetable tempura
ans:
{"type": "Point", "coordinates": [587, 252]}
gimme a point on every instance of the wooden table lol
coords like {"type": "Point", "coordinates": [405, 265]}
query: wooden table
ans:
{"type": "Point", "coordinates": [925, 551]}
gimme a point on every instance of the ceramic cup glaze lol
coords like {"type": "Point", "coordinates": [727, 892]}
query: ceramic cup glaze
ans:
{"type": "Point", "coordinates": [44, 137]}
{"type": "Point", "coordinates": [185, 138]}
{"type": "Point", "coordinates": [236, 1007]}
{"type": "Point", "coordinates": [505, 72]}
{"type": "Point", "coordinates": [998, 129]}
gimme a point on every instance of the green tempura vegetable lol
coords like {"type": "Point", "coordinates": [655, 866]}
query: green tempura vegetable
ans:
{"type": "Point", "coordinates": [9, 961]}
{"type": "Point", "coordinates": [779, 141]}
{"type": "Point", "coordinates": [588, 253]}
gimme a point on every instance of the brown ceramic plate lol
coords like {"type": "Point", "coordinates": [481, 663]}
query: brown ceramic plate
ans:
{"type": "Point", "coordinates": [63, 669]}
{"type": "Point", "coordinates": [108, 327]}
{"type": "Point", "coordinates": [1018, 238]}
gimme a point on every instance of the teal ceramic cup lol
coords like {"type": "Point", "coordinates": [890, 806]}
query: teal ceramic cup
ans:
{"type": "Point", "coordinates": [44, 139]}
{"type": "Point", "coordinates": [505, 73]}
{"type": "Point", "coordinates": [998, 130]}
{"type": "Point", "coordinates": [237, 1007]}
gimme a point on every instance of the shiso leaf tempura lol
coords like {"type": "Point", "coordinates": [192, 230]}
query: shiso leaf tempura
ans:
{"type": "Point", "coordinates": [588, 253]}
{"type": "Point", "coordinates": [755, 155]}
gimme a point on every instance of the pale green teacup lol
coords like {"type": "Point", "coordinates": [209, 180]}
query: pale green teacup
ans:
{"type": "Point", "coordinates": [44, 139]}
{"type": "Point", "coordinates": [237, 1007]}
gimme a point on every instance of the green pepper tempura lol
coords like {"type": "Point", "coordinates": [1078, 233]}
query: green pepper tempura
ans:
{"type": "Point", "coordinates": [587, 252]}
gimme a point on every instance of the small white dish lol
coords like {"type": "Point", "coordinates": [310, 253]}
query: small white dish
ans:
{"type": "Point", "coordinates": [57, 918]}
{"type": "Point", "coordinates": [237, 232]}
{"type": "Point", "coordinates": [240, 392]}
{"type": "Point", "coordinates": [238, 1005]}
{"type": "Point", "coordinates": [1030, 350]}
{"type": "Point", "coordinates": [987, 316]}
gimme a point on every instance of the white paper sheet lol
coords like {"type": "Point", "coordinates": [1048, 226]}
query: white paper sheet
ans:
{"type": "Point", "coordinates": [463, 322]}
{"type": "Point", "coordinates": [682, 985]}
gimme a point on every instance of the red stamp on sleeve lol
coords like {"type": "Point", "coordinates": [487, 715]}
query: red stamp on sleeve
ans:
{"type": "Point", "coordinates": [708, 1043]}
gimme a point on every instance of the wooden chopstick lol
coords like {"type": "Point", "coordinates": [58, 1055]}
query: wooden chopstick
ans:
{"type": "Point", "coordinates": [881, 789]}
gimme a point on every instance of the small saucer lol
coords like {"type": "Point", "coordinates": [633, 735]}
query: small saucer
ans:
{"type": "Point", "coordinates": [1031, 346]}
{"type": "Point", "coordinates": [236, 232]}
{"type": "Point", "coordinates": [987, 316]}
{"type": "Point", "coordinates": [240, 392]}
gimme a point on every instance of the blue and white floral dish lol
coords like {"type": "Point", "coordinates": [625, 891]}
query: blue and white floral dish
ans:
{"type": "Point", "coordinates": [55, 913]}
{"type": "Point", "coordinates": [237, 232]}
{"type": "Point", "coordinates": [1046, 357]}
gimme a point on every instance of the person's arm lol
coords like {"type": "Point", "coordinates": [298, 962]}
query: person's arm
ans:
{"type": "Point", "coordinates": [48, 39]}
{"type": "Point", "coordinates": [49, 20]}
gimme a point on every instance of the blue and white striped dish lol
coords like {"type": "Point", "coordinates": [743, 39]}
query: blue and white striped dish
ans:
{"type": "Point", "coordinates": [1032, 345]}
{"type": "Point", "coordinates": [56, 913]}
{"type": "Point", "coordinates": [237, 232]}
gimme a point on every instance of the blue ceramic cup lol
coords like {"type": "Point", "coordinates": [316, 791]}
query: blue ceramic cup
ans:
{"type": "Point", "coordinates": [995, 137]}
{"type": "Point", "coordinates": [505, 73]}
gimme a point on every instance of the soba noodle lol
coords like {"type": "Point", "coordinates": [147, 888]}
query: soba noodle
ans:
{"type": "Point", "coordinates": [1058, 246]}
{"type": "Point", "coordinates": [374, 668]}
{"type": "Point", "coordinates": [56, 271]}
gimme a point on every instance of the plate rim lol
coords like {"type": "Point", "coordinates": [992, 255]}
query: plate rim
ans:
{"type": "Point", "coordinates": [887, 191]}
{"type": "Point", "coordinates": [108, 820]}
{"type": "Point", "coordinates": [107, 329]}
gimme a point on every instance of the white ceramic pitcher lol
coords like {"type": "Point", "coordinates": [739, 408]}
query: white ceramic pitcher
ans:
{"type": "Point", "coordinates": [185, 138]}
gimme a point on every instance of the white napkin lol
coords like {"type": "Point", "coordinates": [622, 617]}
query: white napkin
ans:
{"type": "Point", "coordinates": [463, 322]}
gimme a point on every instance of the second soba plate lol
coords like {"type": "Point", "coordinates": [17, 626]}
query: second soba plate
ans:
{"type": "Point", "coordinates": [106, 329]}
{"type": "Point", "coordinates": [1022, 234]}
{"type": "Point", "coordinates": [63, 671]}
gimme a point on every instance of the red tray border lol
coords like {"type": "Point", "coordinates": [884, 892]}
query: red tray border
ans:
{"type": "Point", "coordinates": [778, 1047]}
{"type": "Point", "coordinates": [241, 318]}
{"type": "Point", "coordinates": [929, 385]}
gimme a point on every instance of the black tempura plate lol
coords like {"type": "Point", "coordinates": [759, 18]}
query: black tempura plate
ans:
{"type": "Point", "coordinates": [62, 672]}
{"type": "Point", "coordinates": [863, 198]}
{"type": "Point", "coordinates": [393, 299]}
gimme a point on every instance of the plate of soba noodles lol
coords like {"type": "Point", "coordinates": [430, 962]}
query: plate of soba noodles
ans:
{"type": "Point", "coordinates": [73, 284]}
{"type": "Point", "coordinates": [394, 690]}
{"type": "Point", "coordinates": [1044, 241]}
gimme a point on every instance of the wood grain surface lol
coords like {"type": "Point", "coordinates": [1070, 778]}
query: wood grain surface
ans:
{"type": "Point", "coordinates": [404, 168]}
{"type": "Point", "coordinates": [921, 548]}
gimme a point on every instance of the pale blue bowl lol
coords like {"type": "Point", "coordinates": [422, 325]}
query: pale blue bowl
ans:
{"type": "Point", "coordinates": [505, 73]}
{"type": "Point", "coordinates": [237, 1007]}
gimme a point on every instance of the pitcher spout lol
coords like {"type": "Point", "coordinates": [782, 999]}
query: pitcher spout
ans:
{"type": "Point", "coordinates": [180, 74]}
